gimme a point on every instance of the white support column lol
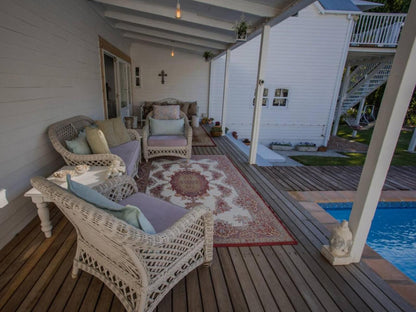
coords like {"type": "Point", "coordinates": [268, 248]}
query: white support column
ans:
{"type": "Point", "coordinates": [357, 119]}
{"type": "Point", "coordinates": [264, 46]}
{"type": "Point", "coordinates": [412, 144]}
{"type": "Point", "coordinates": [344, 90]}
{"type": "Point", "coordinates": [399, 90]}
{"type": "Point", "coordinates": [225, 91]}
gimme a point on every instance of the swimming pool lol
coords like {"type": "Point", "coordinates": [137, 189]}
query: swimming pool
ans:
{"type": "Point", "coordinates": [392, 233]}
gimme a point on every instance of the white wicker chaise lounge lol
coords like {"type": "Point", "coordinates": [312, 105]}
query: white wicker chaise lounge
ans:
{"type": "Point", "coordinates": [139, 268]}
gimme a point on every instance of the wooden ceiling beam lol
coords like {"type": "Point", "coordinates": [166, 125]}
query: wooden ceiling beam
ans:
{"type": "Point", "coordinates": [169, 12]}
{"type": "Point", "coordinates": [185, 30]}
{"type": "Point", "coordinates": [170, 36]}
{"type": "Point", "coordinates": [165, 42]}
{"type": "Point", "coordinates": [244, 6]}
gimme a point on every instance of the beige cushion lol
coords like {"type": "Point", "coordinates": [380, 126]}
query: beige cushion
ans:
{"type": "Point", "coordinates": [114, 131]}
{"type": "Point", "coordinates": [121, 131]}
{"type": "Point", "coordinates": [184, 108]}
{"type": "Point", "coordinates": [97, 141]}
{"type": "Point", "coordinates": [193, 109]}
{"type": "Point", "coordinates": [166, 112]}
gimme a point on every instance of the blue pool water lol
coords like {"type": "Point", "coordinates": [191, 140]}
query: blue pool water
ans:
{"type": "Point", "coordinates": [392, 233]}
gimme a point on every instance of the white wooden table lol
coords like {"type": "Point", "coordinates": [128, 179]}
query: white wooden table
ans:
{"type": "Point", "coordinates": [93, 177]}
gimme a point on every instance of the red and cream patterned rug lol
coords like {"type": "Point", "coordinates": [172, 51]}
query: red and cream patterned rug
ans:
{"type": "Point", "coordinates": [241, 217]}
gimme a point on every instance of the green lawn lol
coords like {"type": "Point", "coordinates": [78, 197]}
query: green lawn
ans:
{"type": "Point", "coordinates": [401, 156]}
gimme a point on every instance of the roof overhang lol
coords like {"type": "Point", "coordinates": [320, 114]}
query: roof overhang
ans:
{"type": "Point", "coordinates": [206, 25]}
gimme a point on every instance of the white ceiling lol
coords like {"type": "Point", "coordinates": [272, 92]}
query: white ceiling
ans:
{"type": "Point", "coordinates": [205, 24]}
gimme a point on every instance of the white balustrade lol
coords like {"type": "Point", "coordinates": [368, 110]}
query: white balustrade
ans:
{"type": "Point", "coordinates": [377, 29]}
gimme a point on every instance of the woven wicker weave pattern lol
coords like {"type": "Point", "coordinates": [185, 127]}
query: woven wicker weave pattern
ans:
{"type": "Point", "coordinates": [68, 129]}
{"type": "Point", "coordinates": [139, 268]}
{"type": "Point", "coordinates": [158, 151]}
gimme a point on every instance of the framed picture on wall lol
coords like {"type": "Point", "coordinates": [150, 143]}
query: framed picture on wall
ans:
{"type": "Point", "coordinates": [137, 73]}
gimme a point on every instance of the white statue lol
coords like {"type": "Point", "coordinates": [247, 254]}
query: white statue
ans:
{"type": "Point", "coordinates": [341, 240]}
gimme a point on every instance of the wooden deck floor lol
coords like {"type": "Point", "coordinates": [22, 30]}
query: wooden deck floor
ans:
{"type": "Point", "coordinates": [35, 272]}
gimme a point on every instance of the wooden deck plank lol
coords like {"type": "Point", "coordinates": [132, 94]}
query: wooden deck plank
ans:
{"type": "Point", "coordinates": [41, 283]}
{"type": "Point", "coordinates": [222, 295]}
{"type": "Point", "coordinates": [77, 296]}
{"type": "Point", "coordinates": [23, 250]}
{"type": "Point", "coordinates": [265, 194]}
{"type": "Point", "coordinates": [179, 300]}
{"type": "Point", "coordinates": [105, 300]}
{"type": "Point", "coordinates": [236, 294]}
{"type": "Point", "coordinates": [166, 304]}
{"type": "Point", "coordinates": [19, 285]}
{"type": "Point", "coordinates": [52, 289]}
{"type": "Point", "coordinates": [207, 290]}
{"type": "Point", "coordinates": [263, 278]}
{"type": "Point", "coordinates": [193, 292]}
{"type": "Point", "coordinates": [250, 293]}
{"type": "Point", "coordinates": [64, 293]}
{"type": "Point", "coordinates": [263, 291]}
{"type": "Point", "coordinates": [276, 288]}
{"type": "Point", "coordinates": [92, 296]}
{"type": "Point", "coordinates": [20, 241]}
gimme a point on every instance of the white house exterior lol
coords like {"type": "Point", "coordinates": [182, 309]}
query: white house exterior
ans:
{"type": "Point", "coordinates": [306, 56]}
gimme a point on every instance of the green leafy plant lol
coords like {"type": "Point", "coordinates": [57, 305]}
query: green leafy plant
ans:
{"type": "Point", "coordinates": [281, 143]}
{"type": "Point", "coordinates": [306, 144]}
{"type": "Point", "coordinates": [208, 55]}
{"type": "Point", "coordinates": [241, 28]}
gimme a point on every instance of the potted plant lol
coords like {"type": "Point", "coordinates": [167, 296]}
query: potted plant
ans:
{"type": "Point", "coordinates": [241, 29]}
{"type": "Point", "coordinates": [216, 130]}
{"type": "Point", "coordinates": [246, 142]}
{"type": "Point", "coordinates": [207, 120]}
{"type": "Point", "coordinates": [208, 55]}
{"type": "Point", "coordinates": [306, 147]}
{"type": "Point", "coordinates": [281, 146]}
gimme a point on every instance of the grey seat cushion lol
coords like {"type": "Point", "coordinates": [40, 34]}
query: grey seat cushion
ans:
{"type": "Point", "coordinates": [160, 213]}
{"type": "Point", "coordinates": [130, 153]}
{"type": "Point", "coordinates": [167, 140]}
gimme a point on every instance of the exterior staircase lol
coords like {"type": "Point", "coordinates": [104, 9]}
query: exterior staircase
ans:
{"type": "Point", "coordinates": [365, 79]}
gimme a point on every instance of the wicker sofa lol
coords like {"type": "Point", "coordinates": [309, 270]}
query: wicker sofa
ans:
{"type": "Point", "coordinates": [139, 268]}
{"type": "Point", "coordinates": [128, 154]}
{"type": "Point", "coordinates": [178, 146]}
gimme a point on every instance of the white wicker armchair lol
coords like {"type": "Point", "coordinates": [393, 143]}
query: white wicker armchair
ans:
{"type": "Point", "coordinates": [139, 268]}
{"type": "Point", "coordinates": [184, 151]}
{"type": "Point", "coordinates": [68, 129]}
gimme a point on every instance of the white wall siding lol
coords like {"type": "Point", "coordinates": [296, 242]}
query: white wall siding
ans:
{"type": "Point", "coordinates": [187, 75]}
{"type": "Point", "coordinates": [304, 56]}
{"type": "Point", "coordinates": [216, 88]}
{"type": "Point", "coordinates": [49, 71]}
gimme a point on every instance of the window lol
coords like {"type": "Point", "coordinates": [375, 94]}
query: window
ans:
{"type": "Point", "coordinates": [280, 97]}
{"type": "Point", "coordinates": [265, 97]}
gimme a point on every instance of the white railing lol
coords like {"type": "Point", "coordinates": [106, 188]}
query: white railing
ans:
{"type": "Point", "coordinates": [377, 29]}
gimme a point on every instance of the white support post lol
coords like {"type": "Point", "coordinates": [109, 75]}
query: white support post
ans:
{"type": "Point", "coordinates": [412, 144]}
{"type": "Point", "coordinates": [344, 90]}
{"type": "Point", "coordinates": [399, 90]}
{"type": "Point", "coordinates": [225, 91]}
{"type": "Point", "coordinates": [357, 119]}
{"type": "Point", "coordinates": [264, 46]}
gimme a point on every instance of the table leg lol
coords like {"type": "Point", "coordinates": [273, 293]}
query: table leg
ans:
{"type": "Point", "coordinates": [43, 213]}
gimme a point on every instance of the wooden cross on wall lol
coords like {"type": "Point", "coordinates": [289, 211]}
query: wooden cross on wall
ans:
{"type": "Point", "coordinates": [163, 75]}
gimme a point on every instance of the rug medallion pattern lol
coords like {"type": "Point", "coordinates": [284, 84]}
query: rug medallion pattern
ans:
{"type": "Point", "coordinates": [241, 217]}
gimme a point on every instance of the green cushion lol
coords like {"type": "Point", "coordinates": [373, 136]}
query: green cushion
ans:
{"type": "Point", "coordinates": [79, 145]}
{"type": "Point", "coordinates": [130, 214]}
{"type": "Point", "coordinates": [167, 127]}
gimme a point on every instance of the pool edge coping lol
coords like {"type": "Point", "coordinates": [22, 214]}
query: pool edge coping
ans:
{"type": "Point", "coordinates": [397, 280]}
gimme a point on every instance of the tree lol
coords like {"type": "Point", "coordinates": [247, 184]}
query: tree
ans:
{"type": "Point", "coordinates": [393, 6]}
